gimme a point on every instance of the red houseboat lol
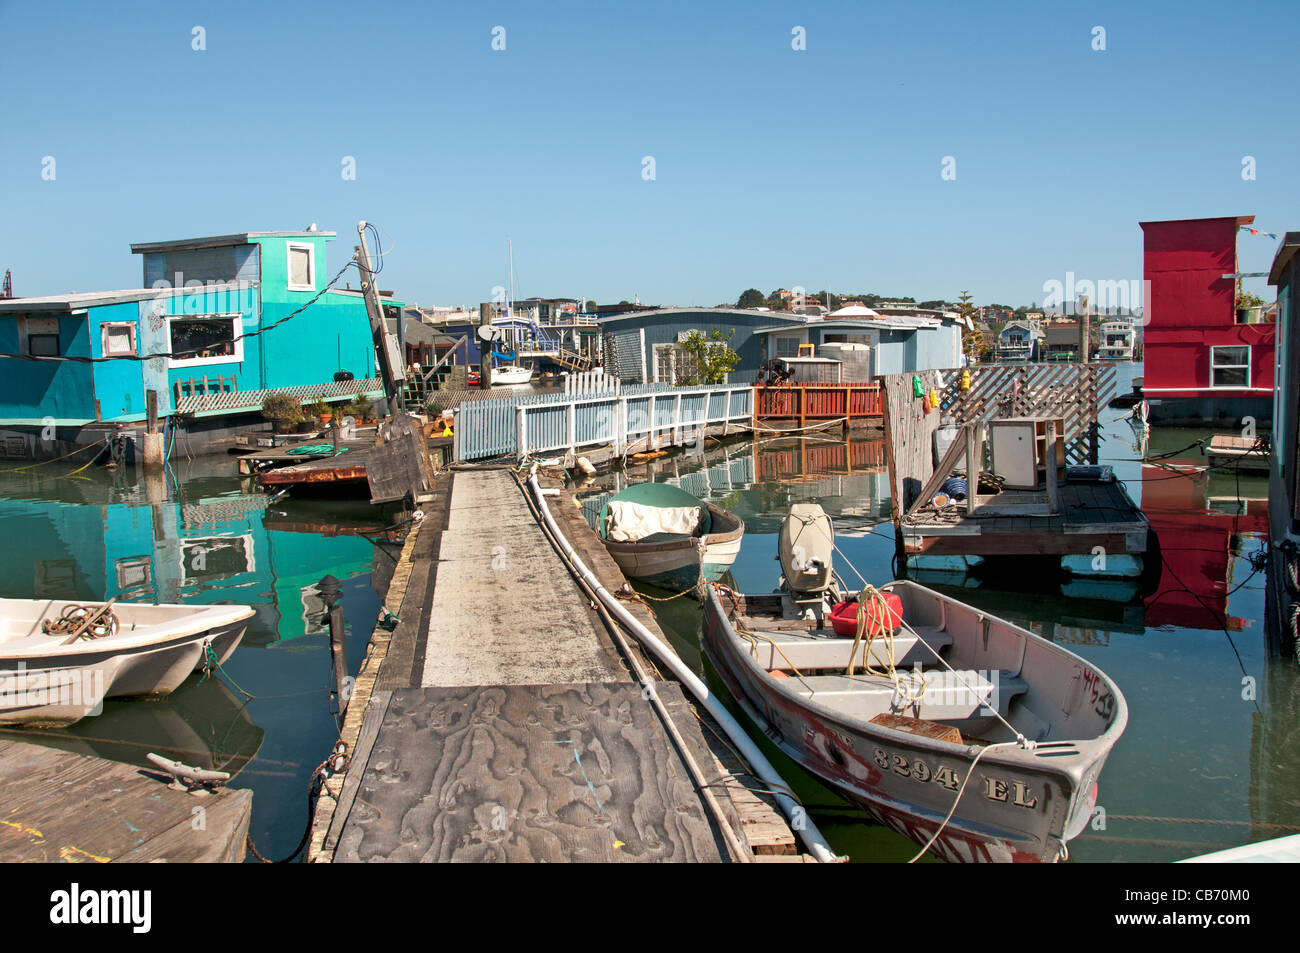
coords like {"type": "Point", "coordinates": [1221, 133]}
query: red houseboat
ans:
{"type": "Point", "coordinates": [1204, 363]}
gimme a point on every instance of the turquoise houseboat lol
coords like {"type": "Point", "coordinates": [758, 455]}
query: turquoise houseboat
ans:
{"type": "Point", "coordinates": [213, 307]}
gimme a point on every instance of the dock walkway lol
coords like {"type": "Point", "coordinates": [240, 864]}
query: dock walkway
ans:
{"type": "Point", "coordinates": [502, 722]}
{"type": "Point", "coordinates": [75, 808]}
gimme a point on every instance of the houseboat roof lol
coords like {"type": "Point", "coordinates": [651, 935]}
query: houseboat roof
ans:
{"type": "Point", "coordinates": [1239, 219]}
{"type": "Point", "coordinates": [1285, 250]}
{"type": "Point", "coordinates": [768, 314]}
{"type": "Point", "coordinates": [220, 241]}
{"type": "Point", "coordinates": [882, 322]}
{"type": "Point", "coordinates": [80, 300]}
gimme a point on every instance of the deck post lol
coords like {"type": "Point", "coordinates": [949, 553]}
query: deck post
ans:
{"type": "Point", "coordinates": [330, 594]}
{"type": "Point", "coordinates": [521, 432]}
{"type": "Point", "coordinates": [620, 426]}
{"type": "Point", "coordinates": [974, 463]}
{"type": "Point", "coordinates": [1049, 463]}
{"type": "Point", "coordinates": [571, 426]}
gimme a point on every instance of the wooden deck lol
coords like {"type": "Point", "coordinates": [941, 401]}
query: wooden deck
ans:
{"type": "Point", "coordinates": [499, 720]}
{"type": "Point", "coordinates": [268, 458]}
{"type": "Point", "coordinates": [1064, 518]}
{"type": "Point", "coordinates": [1243, 453]}
{"type": "Point", "coordinates": [1091, 514]}
{"type": "Point", "coordinates": [73, 808]}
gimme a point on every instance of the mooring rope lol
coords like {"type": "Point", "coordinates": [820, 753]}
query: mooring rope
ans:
{"type": "Point", "coordinates": [211, 663]}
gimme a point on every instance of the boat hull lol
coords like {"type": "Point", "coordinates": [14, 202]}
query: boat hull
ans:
{"type": "Point", "coordinates": [680, 563]}
{"type": "Point", "coordinates": [56, 688]}
{"type": "Point", "coordinates": [676, 566]}
{"type": "Point", "coordinates": [1018, 806]}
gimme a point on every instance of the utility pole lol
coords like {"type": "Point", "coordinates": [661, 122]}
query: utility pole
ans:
{"type": "Point", "coordinates": [1085, 328]}
{"type": "Point", "coordinates": [379, 330]}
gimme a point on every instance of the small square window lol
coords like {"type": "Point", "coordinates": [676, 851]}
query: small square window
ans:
{"type": "Point", "coordinates": [302, 267]}
{"type": "Point", "coordinates": [1230, 366]}
{"type": "Point", "coordinates": [43, 345]}
{"type": "Point", "coordinates": [118, 340]}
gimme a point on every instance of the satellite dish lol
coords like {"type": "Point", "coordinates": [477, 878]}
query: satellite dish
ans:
{"type": "Point", "coordinates": [485, 332]}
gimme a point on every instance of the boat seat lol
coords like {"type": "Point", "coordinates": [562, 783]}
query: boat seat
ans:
{"type": "Point", "coordinates": [822, 648]}
{"type": "Point", "coordinates": [964, 696]}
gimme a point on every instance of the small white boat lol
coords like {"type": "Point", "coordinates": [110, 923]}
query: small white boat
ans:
{"type": "Point", "coordinates": [509, 374]}
{"type": "Point", "coordinates": [47, 680]}
{"type": "Point", "coordinates": [660, 534]}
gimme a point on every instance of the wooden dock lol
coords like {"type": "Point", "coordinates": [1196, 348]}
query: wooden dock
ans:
{"type": "Point", "coordinates": [1065, 514]}
{"type": "Point", "coordinates": [499, 720]}
{"type": "Point", "coordinates": [74, 808]}
{"type": "Point", "coordinates": [1241, 453]}
{"type": "Point", "coordinates": [265, 459]}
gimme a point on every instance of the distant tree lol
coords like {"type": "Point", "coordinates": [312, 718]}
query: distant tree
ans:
{"type": "Point", "coordinates": [750, 298]}
{"type": "Point", "coordinates": [707, 360]}
{"type": "Point", "coordinates": [972, 339]}
{"type": "Point", "coordinates": [936, 305]}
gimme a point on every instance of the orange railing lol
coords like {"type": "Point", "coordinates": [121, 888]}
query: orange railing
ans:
{"type": "Point", "coordinates": [807, 460]}
{"type": "Point", "coordinates": [804, 402]}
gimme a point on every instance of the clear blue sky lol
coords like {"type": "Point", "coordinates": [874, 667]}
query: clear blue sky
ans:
{"type": "Point", "coordinates": [773, 167]}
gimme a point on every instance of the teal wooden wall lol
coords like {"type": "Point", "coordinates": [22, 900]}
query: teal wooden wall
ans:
{"type": "Point", "coordinates": [33, 390]}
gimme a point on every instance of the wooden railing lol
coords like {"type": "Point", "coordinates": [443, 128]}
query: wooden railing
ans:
{"type": "Point", "coordinates": [804, 402]}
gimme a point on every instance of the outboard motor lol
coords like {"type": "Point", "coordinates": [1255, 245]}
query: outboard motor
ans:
{"type": "Point", "coordinates": [805, 547]}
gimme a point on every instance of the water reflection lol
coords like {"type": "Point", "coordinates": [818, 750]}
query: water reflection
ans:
{"type": "Point", "coordinates": [201, 535]}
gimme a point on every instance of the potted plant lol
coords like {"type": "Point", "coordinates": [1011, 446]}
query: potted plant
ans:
{"type": "Point", "coordinates": [321, 411]}
{"type": "Point", "coordinates": [283, 410]}
{"type": "Point", "coordinates": [1249, 308]}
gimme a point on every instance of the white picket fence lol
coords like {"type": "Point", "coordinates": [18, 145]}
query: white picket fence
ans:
{"type": "Point", "coordinates": [632, 418]}
{"type": "Point", "coordinates": [590, 383]}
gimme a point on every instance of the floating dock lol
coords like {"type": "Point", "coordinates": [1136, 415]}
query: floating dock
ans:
{"type": "Point", "coordinates": [1067, 508]}
{"type": "Point", "coordinates": [74, 808]}
{"type": "Point", "coordinates": [1243, 453]}
{"type": "Point", "coordinates": [500, 721]}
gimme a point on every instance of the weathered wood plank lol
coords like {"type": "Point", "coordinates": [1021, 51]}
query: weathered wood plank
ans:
{"type": "Point", "coordinates": [60, 806]}
{"type": "Point", "coordinates": [526, 773]}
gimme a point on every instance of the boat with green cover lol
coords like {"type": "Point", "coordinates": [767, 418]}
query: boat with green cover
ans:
{"type": "Point", "coordinates": [659, 533]}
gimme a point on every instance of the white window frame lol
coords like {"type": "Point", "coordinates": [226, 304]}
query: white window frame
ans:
{"type": "Point", "coordinates": [797, 339]}
{"type": "Point", "coordinates": [289, 249]}
{"type": "Point", "coordinates": [1214, 348]}
{"type": "Point", "coordinates": [236, 330]}
{"type": "Point", "coordinates": [660, 349]}
{"type": "Point", "coordinates": [130, 328]}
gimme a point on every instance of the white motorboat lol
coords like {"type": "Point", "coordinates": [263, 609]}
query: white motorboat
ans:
{"type": "Point", "coordinates": [51, 675]}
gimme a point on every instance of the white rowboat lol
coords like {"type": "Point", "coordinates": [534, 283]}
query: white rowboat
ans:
{"type": "Point", "coordinates": [151, 651]}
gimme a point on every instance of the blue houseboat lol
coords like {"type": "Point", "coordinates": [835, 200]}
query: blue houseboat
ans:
{"type": "Point", "coordinates": [221, 312]}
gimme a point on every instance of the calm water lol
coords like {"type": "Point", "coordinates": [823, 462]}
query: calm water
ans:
{"type": "Point", "coordinates": [1199, 768]}
{"type": "Point", "coordinates": [1202, 766]}
{"type": "Point", "coordinates": [205, 537]}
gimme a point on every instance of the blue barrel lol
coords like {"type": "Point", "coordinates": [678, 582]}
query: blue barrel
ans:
{"type": "Point", "coordinates": [955, 488]}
